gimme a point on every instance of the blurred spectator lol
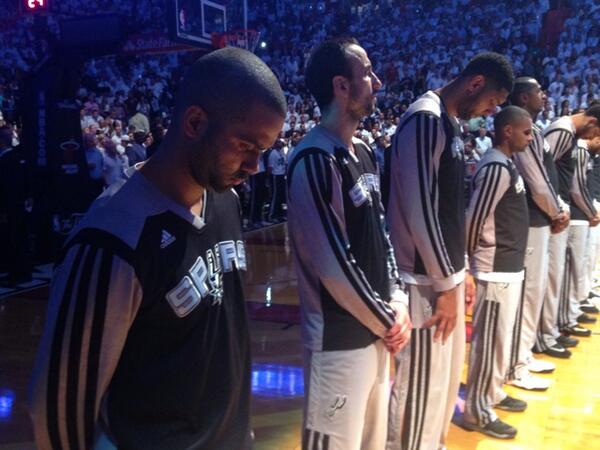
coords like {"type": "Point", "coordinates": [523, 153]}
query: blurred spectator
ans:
{"type": "Point", "coordinates": [483, 142]}
{"type": "Point", "coordinates": [140, 122]}
{"type": "Point", "coordinates": [114, 163]}
{"type": "Point", "coordinates": [95, 164]}
{"type": "Point", "coordinates": [277, 164]}
{"type": "Point", "coordinates": [544, 120]}
{"type": "Point", "coordinates": [136, 152]}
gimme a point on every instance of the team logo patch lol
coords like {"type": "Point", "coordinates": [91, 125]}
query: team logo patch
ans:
{"type": "Point", "coordinates": [205, 278]}
{"type": "Point", "coordinates": [336, 405]}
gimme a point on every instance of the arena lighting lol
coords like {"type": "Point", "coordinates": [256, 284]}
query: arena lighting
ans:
{"type": "Point", "coordinates": [263, 44]}
{"type": "Point", "coordinates": [277, 380]}
{"type": "Point", "coordinates": [7, 400]}
{"type": "Point", "coordinates": [35, 5]}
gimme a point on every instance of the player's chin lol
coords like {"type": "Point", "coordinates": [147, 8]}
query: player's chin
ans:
{"type": "Point", "coordinates": [222, 185]}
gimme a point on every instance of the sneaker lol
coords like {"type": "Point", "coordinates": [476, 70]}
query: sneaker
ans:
{"type": "Point", "coordinates": [557, 351]}
{"type": "Point", "coordinates": [587, 307]}
{"type": "Point", "coordinates": [497, 429]}
{"type": "Point", "coordinates": [584, 318]}
{"type": "Point", "coordinates": [592, 294]}
{"type": "Point", "coordinates": [511, 404]}
{"type": "Point", "coordinates": [531, 383]}
{"type": "Point", "coordinates": [567, 342]}
{"type": "Point", "coordinates": [540, 366]}
{"type": "Point", "coordinates": [577, 331]}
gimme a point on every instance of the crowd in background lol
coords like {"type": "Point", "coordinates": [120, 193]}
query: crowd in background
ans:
{"type": "Point", "coordinates": [125, 100]}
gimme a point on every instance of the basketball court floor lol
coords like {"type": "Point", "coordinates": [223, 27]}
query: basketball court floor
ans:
{"type": "Point", "coordinates": [567, 416]}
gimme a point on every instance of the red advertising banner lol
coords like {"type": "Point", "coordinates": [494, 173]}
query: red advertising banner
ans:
{"type": "Point", "coordinates": [154, 42]}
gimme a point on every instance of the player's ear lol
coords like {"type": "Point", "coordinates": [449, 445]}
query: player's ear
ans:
{"type": "Point", "coordinates": [195, 122]}
{"type": "Point", "coordinates": [476, 84]}
{"type": "Point", "coordinates": [341, 86]}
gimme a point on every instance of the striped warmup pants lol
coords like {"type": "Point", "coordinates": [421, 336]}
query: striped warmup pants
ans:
{"type": "Point", "coordinates": [427, 378]}
{"type": "Point", "coordinates": [494, 343]}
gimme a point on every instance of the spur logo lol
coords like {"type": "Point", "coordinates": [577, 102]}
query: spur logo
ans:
{"type": "Point", "coordinates": [205, 277]}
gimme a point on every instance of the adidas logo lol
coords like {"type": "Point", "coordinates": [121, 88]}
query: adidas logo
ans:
{"type": "Point", "coordinates": [166, 239]}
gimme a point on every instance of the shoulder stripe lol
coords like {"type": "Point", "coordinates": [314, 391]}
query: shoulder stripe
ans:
{"type": "Point", "coordinates": [93, 366]}
{"type": "Point", "coordinates": [483, 203]}
{"type": "Point", "coordinates": [75, 346]}
{"type": "Point", "coordinates": [314, 170]}
{"type": "Point", "coordinates": [56, 350]}
{"type": "Point", "coordinates": [426, 197]}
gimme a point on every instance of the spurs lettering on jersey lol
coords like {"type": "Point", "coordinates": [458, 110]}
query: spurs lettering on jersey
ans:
{"type": "Point", "coordinates": [205, 277]}
{"type": "Point", "coordinates": [361, 191]}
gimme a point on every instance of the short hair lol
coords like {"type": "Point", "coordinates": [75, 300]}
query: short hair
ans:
{"type": "Point", "coordinates": [522, 85]}
{"type": "Point", "coordinates": [494, 67]}
{"type": "Point", "coordinates": [593, 110]}
{"type": "Point", "coordinates": [328, 60]}
{"type": "Point", "coordinates": [508, 116]}
{"type": "Point", "coordinates": [226, 83]}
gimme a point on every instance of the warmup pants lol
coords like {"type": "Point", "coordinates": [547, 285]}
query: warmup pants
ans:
{"type": "Point", "coordinates": [548, 329]}
{"type": "Point", "coordinates": [278, 197]}
{"type": "Point", "coordinates": [427, 379]}
{"type": "Point", "coordinates": [491, 347]}
{"type": "Point", "coordinates": [574, 282]}
{"type": "Point", "coordinates": [591, 256]}
{"type": "Point", "coordinates": [534, 290]}
{"type": "Point", "coordinates": [257, 196]}
{"type": "Point", "coordinates": [346, 398]}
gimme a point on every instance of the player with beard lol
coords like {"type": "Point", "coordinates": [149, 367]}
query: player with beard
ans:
{"type": "Point", "coordinates": [353, 307]}
{"type": "Point", "coordinates": [426, 218]}
{"type": "Point", "coordinates": [546, 209]}
{"type": "Point", "coordinates": [146, 342]}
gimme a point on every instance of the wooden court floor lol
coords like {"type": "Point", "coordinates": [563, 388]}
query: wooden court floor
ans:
{"type": "Point", "coordinates": [565, 417]}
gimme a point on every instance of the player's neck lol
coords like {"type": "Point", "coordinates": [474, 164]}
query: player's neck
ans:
{"type": "Point", "coordinates": [504, 148]}
{"type": "Point", "coordinates": [168, 173]}
{"type": "Point", "coordinates": [451, 95]}
{"type": "Point", "coordinates": [533, 113]}
{"type": "Point", "coordinates": [340, 125]}
{"type": "Point", "coordinates": [578, 121]}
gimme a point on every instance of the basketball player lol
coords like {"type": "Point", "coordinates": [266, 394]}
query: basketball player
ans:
{"type": "Point", "coordinates": [593, 248]}
{"type": "Point", "coordinates": [146, 342]}
{"type": "Point", "coordinates": [426, 215]}
{"type": "Point", "coordinates": [496, 243]}
{"type": "Point", "coordinates": [545, 208]}
{"type": "Point", "coordinates": [353, 307]}
{"type": "Point", "coordinates": [586, 215]}
{"type": "Point", "coordinates": [276, 169]}
{"type": "Point", "coordinates": [258, 193]}
{"type": "Point", "coordinates": [558, 311]}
